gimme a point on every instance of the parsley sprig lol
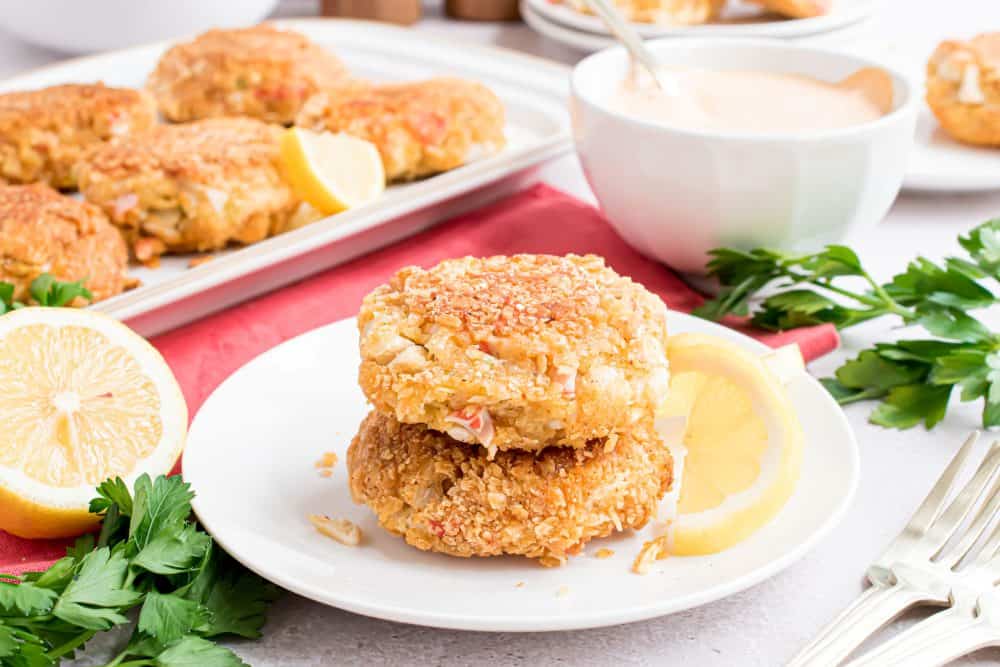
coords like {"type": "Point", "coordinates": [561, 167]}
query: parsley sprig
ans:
{"type": "Point", "coordinates": [45, 291]}
{"type": "Point", "coordinates": [913, 379]}
{"type": "Point", "coordinates": [150, 565]}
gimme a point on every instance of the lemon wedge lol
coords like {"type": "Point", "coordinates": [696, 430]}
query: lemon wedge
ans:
{"type": "Point", "coordinates": [83, 399]}
{"type": "Point", "coordinates": [742, 441]}
{"type": "Point", "coordinates": [331, 172]}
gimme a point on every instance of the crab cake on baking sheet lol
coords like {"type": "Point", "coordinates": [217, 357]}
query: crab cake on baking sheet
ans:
{"type": "Point", "coordinates": [263, 72]}
{"type": "Point", "coordinates": [517, 352]}
{"type": "Point", "coordinates": [42, 231]}
{"type": "Point", "coordinates": [420, 128]}
{"type": "Point", "coordinates": [192, 187]}
{"type": "Point", "coordinates": [44, 132]}
{"type": "Point", "coordinates": [446, 496]}
{"type": "Point", "coordinates": [963, 89]}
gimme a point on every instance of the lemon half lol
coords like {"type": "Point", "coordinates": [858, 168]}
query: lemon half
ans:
{"type": "Point", "coordinates": [742, 441]}
{"type": "Point", "coordinates": [331, 172]}
{"type": "Point", "coordinates": [83, 398]}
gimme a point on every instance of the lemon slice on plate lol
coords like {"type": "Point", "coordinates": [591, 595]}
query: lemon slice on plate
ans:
{"type": "Point", "coordinates": [742, 441]}
{"type": "Point", "coordinates": [331, 172]}
{"type": "Point", "coordinates": [83, 398]}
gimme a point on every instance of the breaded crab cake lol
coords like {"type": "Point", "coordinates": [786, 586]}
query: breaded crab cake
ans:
{"type": "Point", "coordinates": [963, 89]}
{"type": "Point", "coordinates": [420, 128]}
{"type": "Point", "coordinates": [44, 132]}
{"type": "Point", "coordinates": [192, 187]}
{"type": "Point", "coordinates": [263, 72]}
{"type": "Point", "coordinates": [797, 9]}
{"type": "Point", "coordinates": [516, 352]}
{"type": "Point", "coordinates": [442, 495]}
{"type": "Point", "coordinates": [42, 231]}
{"type": "Point", "coordinates": [670, 12]}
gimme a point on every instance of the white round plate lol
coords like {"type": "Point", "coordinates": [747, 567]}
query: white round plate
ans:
{"type": "Point", "coordinates": [938, 163]}
{"type": "Point", "coordinates": [250, 457]}
{"type": "Point", "coordinates": [741, 20]}
{"type": "Point", "coordinates": [848, 36]}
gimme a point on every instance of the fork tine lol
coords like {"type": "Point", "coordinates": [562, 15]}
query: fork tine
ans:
{"type": "Point", "coordinates": [930, 509]}
{"type": "Point", "coordinates": [945, 526]}
{"type": "Point", "coordinates": [950, 557]}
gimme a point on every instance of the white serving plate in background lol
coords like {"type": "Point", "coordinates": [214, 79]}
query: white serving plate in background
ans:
{"type": "Point", "coordinates": [741, 20]}
{"type": "Point", "coordinates": [534, 94]}
{"type": "Point", "coordinates": [287, 407]}
{"type": "Point", "coordinates": [847, 37]}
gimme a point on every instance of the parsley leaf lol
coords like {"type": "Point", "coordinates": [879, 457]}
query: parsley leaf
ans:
{"type": "Point", "coordinates": [914, 378]}
{"type": "Point", "coordinates": [47, 291]}
{"type": "Point", "coordinates": [173, 552]}
{"type": "Point", "coordinates": [95, 597]}
{"type": "Point", "coordinates": [197, 652]}
{"type": "Point", "coordinates": [25, 599]}
{"type": "Point", "coordinates": [161, 506]}
{"type": "Point", "coordinates": [167, 618]}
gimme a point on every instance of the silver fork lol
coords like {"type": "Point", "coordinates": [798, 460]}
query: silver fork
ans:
{"type": "Point", "coordinates": [905, 575]}
{"type": "Point", "coordinates": [971, 623]}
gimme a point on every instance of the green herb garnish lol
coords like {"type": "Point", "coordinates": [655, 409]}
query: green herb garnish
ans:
{"type": "Point", "coordinates": [150, 565]}
{"type": "Point", "coordinates": [914, 379]}
{"type": "Point", "coordinates": [45, 291]}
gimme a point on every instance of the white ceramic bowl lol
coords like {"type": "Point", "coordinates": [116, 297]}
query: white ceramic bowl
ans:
{"type": "Point", "coordinates": [83, 26]}
{"type": "Point", "coordinates": [674, 193]}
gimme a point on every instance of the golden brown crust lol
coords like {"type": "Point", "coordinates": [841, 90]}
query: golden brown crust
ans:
{"type": "Point", "coordinates": [963, 89]}
{"type": "Point", "coordinates": [797, 9]}
{"type": "Point", "coordinates": [542, 349]}
{"type": "Point", "coordinates": [263, 72]}
{"type": "Point", "coordinates": [419, 128]}
{"type": "Point", "coordinates": [675, 12]}
{"type": "Point", "coordinates": [192, 187]}
{"type": "Point", "coordinates": [442, 495]}
{"type": "Point", "coordinates": [42, 231]}
{"type": "Point", "coordinates": [43, 133]}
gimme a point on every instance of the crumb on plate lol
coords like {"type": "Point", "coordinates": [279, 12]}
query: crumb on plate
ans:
{"type": "Point", "coordinates": [604, 553]}
{"type": "Point", "coordinates": [342, 530]}
{"type": "Point", "coordinates": [654, 549]}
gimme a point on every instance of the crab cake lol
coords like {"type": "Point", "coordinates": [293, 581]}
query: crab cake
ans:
{"type": "Point", "coordinates": [797, 9]}
{"type": "Point", "coordinates": [44, 132]}
{"type": "Point", "coordinates": [443, 495]}
{"type": "Point", "coordinates": [963, 89]}
{"type": "Point", "coordinates": [670, 12]}
{"type": "Point", "coordinates": [515, 352]}
{"type": "Point", "coordinates": [262, 72]}
{"type": "Point", "coordinates": [42, 231]}
{"type": "Point", "coordinates": [420, 128]}
{"type": "Point", "coordinates": [192, 187]}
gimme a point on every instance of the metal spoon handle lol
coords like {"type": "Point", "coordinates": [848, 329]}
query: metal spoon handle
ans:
{"type": "Point", "coordinates": [626, 35]}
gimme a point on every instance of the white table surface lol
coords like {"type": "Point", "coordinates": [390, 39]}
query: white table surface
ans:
{"type": "Point", "coordinates": [768, 623]}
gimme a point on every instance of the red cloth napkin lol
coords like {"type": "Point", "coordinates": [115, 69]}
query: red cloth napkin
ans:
{"type": "Point", "coordinates": [538, 220]}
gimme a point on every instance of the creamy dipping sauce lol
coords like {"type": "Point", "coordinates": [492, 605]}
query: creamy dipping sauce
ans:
{"type": "Point", "coordinates": [756, 102]}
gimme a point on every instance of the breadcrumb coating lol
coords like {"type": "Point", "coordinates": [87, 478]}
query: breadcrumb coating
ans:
{"type": "Point", "coordinates": [515, 352]}
{"type": "Point", "coordinates": [263, 72]}
{"type": "Point", "coordinates": [676, 12]}
{"type": "Point", "coordinates": [43, 133]}
{"type": "Point", "coordinates": [42, 231]}
{"type": "Point", "coordinates": [420, 128]}
{"type": "Point", "coordinates": [442, 495]}
{"type": "Point", "coordinates": [797, 9]}
{"type": "Point", "coordinates": [963, 89]}
{"type": "Point", "coordinates": [192, 187]}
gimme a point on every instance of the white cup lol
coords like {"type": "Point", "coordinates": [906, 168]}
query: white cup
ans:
{"type": "Point", "coordinates": [674, 194]}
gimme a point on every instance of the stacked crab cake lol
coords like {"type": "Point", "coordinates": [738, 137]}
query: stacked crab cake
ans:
{"type": "Point", "coordinates": [514, 402]}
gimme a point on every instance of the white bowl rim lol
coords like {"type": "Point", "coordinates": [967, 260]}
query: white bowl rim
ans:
{"type": "Point", "coordinates": [906, 107]}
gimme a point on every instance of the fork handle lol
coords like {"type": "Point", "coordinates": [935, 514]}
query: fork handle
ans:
{"type": "Point", "coordinates": [870, 611]}
{"type": "Point", "coordinates": [943, 637]}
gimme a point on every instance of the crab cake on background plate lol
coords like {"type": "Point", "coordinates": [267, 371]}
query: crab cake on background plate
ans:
{"type": "Point", "coordinates": [419, 128]}
{"type": "Point", "coordinates": [42, 231]}
{"type": "Point", "coordinates": [445, 496]}
{"type": "Point", "coordinates": [44, 132]}
{"type": "Point", "coordinates": [192, 187]}
{"type": "Point", "coordinates": [519, 352]}
{"type": "Point", "coordinates": [963, 89]}
{"type": "Point", "coordinates": [263, 72]}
